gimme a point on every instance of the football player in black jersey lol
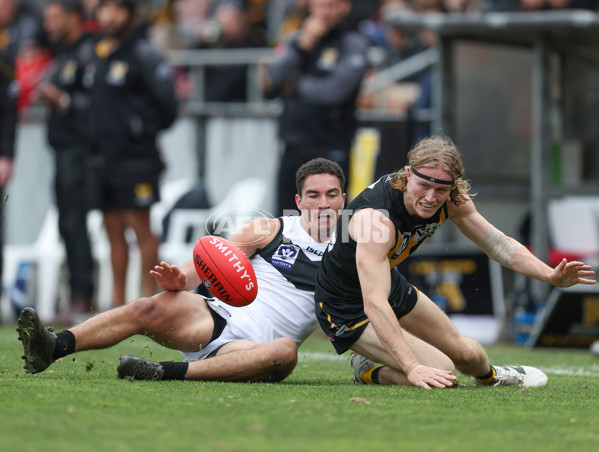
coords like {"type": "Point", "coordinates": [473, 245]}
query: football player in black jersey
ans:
{"type": "Point", "coordinates": [363, 303]}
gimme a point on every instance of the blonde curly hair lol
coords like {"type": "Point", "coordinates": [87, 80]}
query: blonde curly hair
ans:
{"type": "Point", "coordinates": [437, 152]}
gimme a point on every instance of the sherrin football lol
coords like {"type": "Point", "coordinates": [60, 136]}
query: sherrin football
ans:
{"type": "Point", "coordinates": [225, 270]}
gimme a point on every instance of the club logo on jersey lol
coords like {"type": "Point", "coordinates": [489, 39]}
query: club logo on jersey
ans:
{"type": "Point", "coordinates": [67, 74]}
{"type": "Point", "coordinates": [285, 256]}
{"type": "Point", "coordinates": [118, 71]}
{"type": "Point", "coordinates": [144, 194]}
{"type": "Point", "coordinates": [328, 59]}
{"type": "Point", "coordinates": [411, 240]}
{"type": "Point", "coordinates": [405, 238]}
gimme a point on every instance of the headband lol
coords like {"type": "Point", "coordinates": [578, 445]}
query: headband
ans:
{"type": "Point", "coordinates": [432, 179]}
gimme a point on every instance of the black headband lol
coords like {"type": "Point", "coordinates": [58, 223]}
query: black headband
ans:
{"type": "Point", "coordinates": [432, 179]}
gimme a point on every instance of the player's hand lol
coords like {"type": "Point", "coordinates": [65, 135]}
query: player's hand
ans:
{"type": "Point", "coordinates": [567, 274]}
{"type": "Point", "coordinates": [430, 377]}
{"type": "Point", "coordinates": [169, 277]}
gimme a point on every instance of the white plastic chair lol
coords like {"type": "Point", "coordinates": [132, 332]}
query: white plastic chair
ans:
{"type": "Point", "coordinates": [46, 254]}
{"type": "Point", "coordinates": [574, 227]}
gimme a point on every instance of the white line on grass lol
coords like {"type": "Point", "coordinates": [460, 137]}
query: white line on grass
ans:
{"type": "Point", "coordinates": [592, 371]}
{"type": "Point", "coordinates": [323, 356]}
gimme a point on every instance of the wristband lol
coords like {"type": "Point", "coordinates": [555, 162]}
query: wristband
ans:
{"type": "Point", "coordinates": [411, 368]}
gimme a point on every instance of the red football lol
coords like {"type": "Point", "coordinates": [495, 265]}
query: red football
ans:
{"type": "Point", "coordinates": [225, 270]}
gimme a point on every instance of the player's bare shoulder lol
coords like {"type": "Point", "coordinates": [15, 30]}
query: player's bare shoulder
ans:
{"type": "Point", "coordinates": [266, 229]}
{"type": "Point", "coordinates": [455, 211]}
{"type": "Point", "coordinates": [371, 225]}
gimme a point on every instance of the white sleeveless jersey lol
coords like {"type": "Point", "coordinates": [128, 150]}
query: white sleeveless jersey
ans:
{"type": "Point", "coordinates": [284, 307]}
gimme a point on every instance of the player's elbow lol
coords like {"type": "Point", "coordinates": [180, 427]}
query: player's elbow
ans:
{"type": "Point", "coordinates": [371, 308]}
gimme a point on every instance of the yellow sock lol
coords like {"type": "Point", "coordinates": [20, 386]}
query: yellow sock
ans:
{"type": "Point", "coordinates": [367, 376]}
{"type": "Point", "coordinates": [489, 380]}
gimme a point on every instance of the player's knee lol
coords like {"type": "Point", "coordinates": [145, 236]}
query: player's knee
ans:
{"type": "Point", "coordinates": [286, 351]}
{"type": "Point", "coordinates": [282, 358]}
{"type": "Point", "coordinates": [144, 310]}
{"type": "Point", "coordinates": [282, 351]}
{"type": "Point", "coordinates": [466, 353]}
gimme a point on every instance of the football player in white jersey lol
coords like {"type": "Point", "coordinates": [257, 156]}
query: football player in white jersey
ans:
{"type": "Point", "coordinates": [254, 343]}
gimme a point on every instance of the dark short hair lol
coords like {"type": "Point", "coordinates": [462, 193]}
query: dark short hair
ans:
{"type": "Point", "coordinates": [129, 4]}
{"type": "Point", "coordinates": [318, 165]}
{"type": "Point", "coordinates": [72, 6]}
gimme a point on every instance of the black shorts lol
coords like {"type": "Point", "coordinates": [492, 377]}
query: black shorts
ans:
{"type": "Point", "coordinates": [130, 185]}
{"type": "Point", "coordinates": [344, 327]}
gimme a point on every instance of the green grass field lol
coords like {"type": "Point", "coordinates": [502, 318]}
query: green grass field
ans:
{"type": "Point", "coordinates": [79, 404]}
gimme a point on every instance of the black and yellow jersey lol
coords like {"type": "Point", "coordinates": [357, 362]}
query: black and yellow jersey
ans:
{"type": "Point", "coordinates": [337, 280]}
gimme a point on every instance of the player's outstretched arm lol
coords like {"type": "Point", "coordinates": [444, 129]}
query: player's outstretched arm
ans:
{"type": "Point", "coordinates": [514, 255]}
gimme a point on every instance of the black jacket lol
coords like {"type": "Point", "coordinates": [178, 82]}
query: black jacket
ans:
{"type": "Point", "coordinates": [24, 28]}
{"type": "Point", "coordinates": [319, 111]}
{"type": "Point", "coordinates": [67, 126]}
{"type": "Point", "coordinates": [132, 99]}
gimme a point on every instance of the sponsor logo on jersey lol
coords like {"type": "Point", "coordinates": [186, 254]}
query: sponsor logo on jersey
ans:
{"type": "Point", "coordinates": [285, 256]}
{"type": "Point", "coordinates": [313, 251]}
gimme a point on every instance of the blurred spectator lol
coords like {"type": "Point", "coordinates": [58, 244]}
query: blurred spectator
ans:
{"type": "Point", "coordinates": [30, 50]}
{"type": "Point", "coordinates": [257, 16]}
{"type": "Point", "coordinates": [294, 15]}
{"type": "Point", "coordinates": [210, 24]}
{"type": "Point", "coordinates": [297, 10]}
{"type": "Point", "coordinates": [360, 11]}
{"type": "Point", "coordinates": [64, 94]}
{"type": "Point", "coordinates": [461, 6]}
{"type": "Point", "coordinates": [161, 33]}
{"type": "Point", "coordinates": [132, 100]}
{"type": "Point", "coordinates": [317, 72]}
{"type": "Point", "coordinates": [537, 5]}
{"type": "Point", "coordinates": [399, 46]}
{"type": "Point", "coordinates": [30, 68]}
{"type": "Point", "coordinates": [90, 22]}
{"type": "Point", "coordinates": [18, 29]}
